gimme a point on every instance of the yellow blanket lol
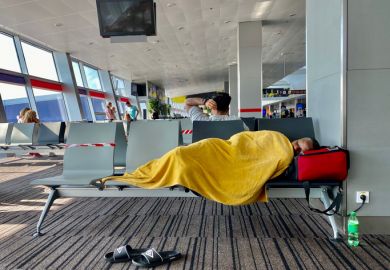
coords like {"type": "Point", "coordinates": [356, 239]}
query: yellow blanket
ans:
{"type": "Point", "coordinates": [230, 171]}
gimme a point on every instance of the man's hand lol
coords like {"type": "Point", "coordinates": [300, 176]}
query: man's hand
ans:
{"type": "Point", "coordinates": [210, 103]}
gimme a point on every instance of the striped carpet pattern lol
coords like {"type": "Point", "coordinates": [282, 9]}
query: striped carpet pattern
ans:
{"type": "Point", "coordinates": [282, 234]}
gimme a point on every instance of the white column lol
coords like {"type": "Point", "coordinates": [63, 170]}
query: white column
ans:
{"type": "Point", "coordinates": [249, 68]}
{"type": "Point", "coordinates": [70, 93]}
{"type": "Point", "coordinates": [233, 89]}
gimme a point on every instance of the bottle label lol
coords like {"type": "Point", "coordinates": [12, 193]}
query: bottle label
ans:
{"type": "Point", "coordinates": [353, 228]}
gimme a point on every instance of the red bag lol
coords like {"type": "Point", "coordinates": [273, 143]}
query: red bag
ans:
{"type": "Point", "coordinates": [323, 164]}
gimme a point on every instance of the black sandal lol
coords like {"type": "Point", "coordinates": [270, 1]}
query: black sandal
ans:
{"type": "Point", "coordinates": [123, 254]}
{"type": "Point", "coordinates": [152, 258]}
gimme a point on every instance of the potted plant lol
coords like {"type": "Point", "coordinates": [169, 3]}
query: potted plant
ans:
{"type": "Point", "coordinates": [153, 106]}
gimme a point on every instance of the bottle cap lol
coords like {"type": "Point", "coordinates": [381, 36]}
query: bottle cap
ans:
{"type": "Point", "coordinates": [352, 214]}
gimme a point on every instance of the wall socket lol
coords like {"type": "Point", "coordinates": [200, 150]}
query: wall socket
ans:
{"type": "Point", "coordinates": [358, 193]}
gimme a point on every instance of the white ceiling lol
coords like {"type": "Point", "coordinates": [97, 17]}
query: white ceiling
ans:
{"type": "Point", "coordinates": [195, 42]}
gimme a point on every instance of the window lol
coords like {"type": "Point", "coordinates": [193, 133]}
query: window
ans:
{"type": "Point", "coordinates": [86, 108]}
{"type": "Point", "coordinates": [39, 62]}
{"type": "Point", "coordinates": [8, 57]}
{"type": "Point", "coordinates": [121, 107]}
{"type": "Point", "coordinates": [77, 73]}
{"type": "Point", "coordinates": [92, 77]}
{"type": "Point", "coordinates": [119, 86]}
{"type": "Point", "coordinates": [99, 106]}
{"type": "Point", "coordinates": [50, 105]}
{"type": "Point", "coordinates": [14, 99]}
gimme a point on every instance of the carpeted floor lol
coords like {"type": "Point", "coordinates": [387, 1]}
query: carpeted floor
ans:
{"type": "Point", "coordinates": [282, 234]}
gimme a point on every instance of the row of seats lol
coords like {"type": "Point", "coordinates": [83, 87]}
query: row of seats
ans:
{"type": "Point", "coordinates": [28, 135]}
{"type": "Point", "coordinates": [147, 140]}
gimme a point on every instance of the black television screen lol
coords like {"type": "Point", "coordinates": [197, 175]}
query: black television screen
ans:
{"type": "Point", "coordinates": [141, 90]}
{"type": "Point", "coordinates": [126, 17]}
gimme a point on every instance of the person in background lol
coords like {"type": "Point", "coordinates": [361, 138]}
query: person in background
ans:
{"type": "Point", "coordinates": [21, 114]}
{"type": "Point", "coordinates": [30, 116]}
{"type": "Point", "coordinates": [218, 104]}
{"type": "Point", "coordinates": [131, 112]}
{"type": "Point", "coordinates": [110, 112]}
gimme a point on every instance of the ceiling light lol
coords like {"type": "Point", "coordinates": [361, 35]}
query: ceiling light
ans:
{"type": "Point", "coordinates": [58, 24]}
{"type": "Point", "coordinates": [148, 50]}
{"type": "Point", "coordinates": [227, 21]}
{"type": "Point", "coordinates": [90, 43]}
{"type": "Point", "coordinates": [171, 4]}
{"type": "Point", "coordinates": [180, 28]}
{"type": "Point", "coordinates": [292, 14]}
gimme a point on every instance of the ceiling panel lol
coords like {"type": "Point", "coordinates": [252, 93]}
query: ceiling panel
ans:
{"type": "Point", "coordinates": [196, 39]}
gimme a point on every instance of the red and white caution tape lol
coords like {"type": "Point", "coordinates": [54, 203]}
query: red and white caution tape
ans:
{"type": "Point", "coordinates": [90, 145]}
{"type": "Point", "coordinates": [186, 131]}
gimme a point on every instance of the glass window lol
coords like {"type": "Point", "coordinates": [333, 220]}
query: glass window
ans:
{"type": "Point", "coordinates": [50, 105]}
{"type": "Point", "coordinates": [86, 108]}
{"type": "Point", "coordinates": [77, 73]}
{"type": "Point", "coordinates": [121, 106]}
{"type": "Point", "coordinates": [119, 86]}
{"type": "Point", "coordinates": [14, 99]}
{"type": "Point", "coordinates": [39, 62]}
{"type": "Point", "coordinates": [99, 106]}
{"type": "Point", "coordinates": [8, 57]}
{"type": "Point", "coordinates": [92, 77]}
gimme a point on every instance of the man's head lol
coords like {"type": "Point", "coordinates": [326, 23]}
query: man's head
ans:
{"type": "Point", "coordinates": [223, 102]}
{"type": "Point", "coordinates": [305, 144]}
{"type": "Point", "coordinates": [128, 104]}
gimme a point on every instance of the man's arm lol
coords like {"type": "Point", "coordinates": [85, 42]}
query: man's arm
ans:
{"type": "Point", "coordinates": [191, 102]}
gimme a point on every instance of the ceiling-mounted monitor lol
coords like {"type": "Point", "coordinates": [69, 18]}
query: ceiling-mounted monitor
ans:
{"type": "Point", "coordinates": [126, 17]}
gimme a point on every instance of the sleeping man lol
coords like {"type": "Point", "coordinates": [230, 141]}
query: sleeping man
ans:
{"type": "Point", "coordinates": [232, 172]}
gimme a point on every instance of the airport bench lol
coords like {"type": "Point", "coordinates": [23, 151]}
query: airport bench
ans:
{"type": "Point", "coordinates": [147, 140]}
{"type": "Point", "coordinates": [30, 136]}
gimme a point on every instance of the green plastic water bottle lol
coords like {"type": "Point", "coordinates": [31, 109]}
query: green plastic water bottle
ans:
{"type": "Point", "coordinates": [353, 230]}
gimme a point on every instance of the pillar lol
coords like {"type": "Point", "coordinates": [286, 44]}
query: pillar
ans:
{"type": "Point", "coordinates": [233, 89]}
{"type": "Point", "coordinates": [249, 68]}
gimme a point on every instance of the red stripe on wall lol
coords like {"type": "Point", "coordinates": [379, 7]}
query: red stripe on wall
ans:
{"type": "Point", "coordinates": [97, 94]}
{"type": "Point", "coordinates": [46, 85]}
{"type": "Point", "coordinates": [122, 99]}
{"type": "Point", "coordinates": [251, 110]}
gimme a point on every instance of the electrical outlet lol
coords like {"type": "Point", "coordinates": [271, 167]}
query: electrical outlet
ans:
{"type": "Point", "coordinates": [359, 193]}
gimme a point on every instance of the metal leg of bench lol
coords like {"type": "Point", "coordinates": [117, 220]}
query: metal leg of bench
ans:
{"type": "Point", "coordinates": [52, 196]}
{"type": "Point", "coordinates": [325, 200]}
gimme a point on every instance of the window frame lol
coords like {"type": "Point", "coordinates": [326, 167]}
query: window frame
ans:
{"type": "Point", "coordinates": [22, 40]}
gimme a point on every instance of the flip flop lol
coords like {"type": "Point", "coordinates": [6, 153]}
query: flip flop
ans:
{"type": "Point", "coordinates": [123, 254]}
{"type": "Point", "coordinates": [152, 258]}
